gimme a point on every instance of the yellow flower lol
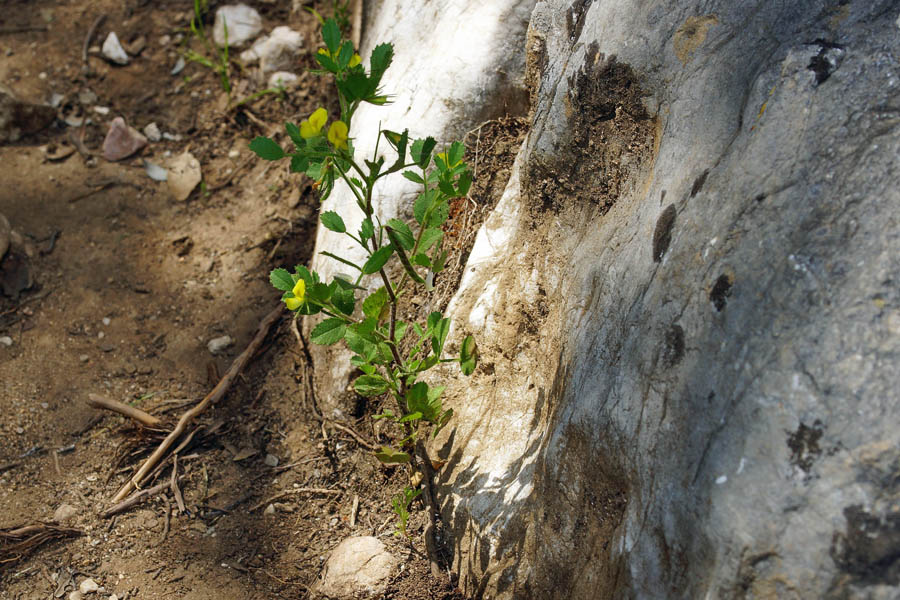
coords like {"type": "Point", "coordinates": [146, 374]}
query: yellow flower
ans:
{"type": "Point", "coordinates": [337, 134]}
{"type": "Point", "coordinates": [354, 60]}
{"type": "Point", "coordinates": [313, 126]}
{"type": "Point", "coordinates": [299, 292]}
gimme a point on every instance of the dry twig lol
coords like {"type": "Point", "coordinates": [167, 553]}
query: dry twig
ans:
{"type": "Point", "coordinates": [18, 542]}
{"type": "Point", "coordinates": [136, 414]}
{"type": "Point", "coordinates": [214, 396]}
{"type": "Point", "coordinates": [136, 498]}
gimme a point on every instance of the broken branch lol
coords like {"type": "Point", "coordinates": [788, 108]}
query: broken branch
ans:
{"type": "Point", "coordinates": [136, 414]}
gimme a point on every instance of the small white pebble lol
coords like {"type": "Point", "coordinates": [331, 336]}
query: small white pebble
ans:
{"type": "Point", "coordinates": [84, 358]}
{"type": "Point", "coordinates": [234, 154]}
{"type": "Point", "coordinates": [44, 405]}
{"type": "Point", "coordinates": [101, 110]}
{"type": "Point", "coordinates": [6, 340]}
{"type": "Point", "coordinates": [106, 320]}
{"type": "Point", "coordinates": [101, 335]}
{"type": "Point", "coordinates": [271, 460]}
{"type": "Point", "coordinates": [88, 586]}
{"type": "Point", "coordinates": [19, 430]}
{"type": "Point", "coordinates": [721, 479]}
{"type": "Point", "coordinates": [42, 76]}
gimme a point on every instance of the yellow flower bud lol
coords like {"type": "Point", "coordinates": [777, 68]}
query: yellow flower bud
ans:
{"type": "Point", "coordinates": [313, 126]}
{"type": "Point", "coordinates": [299, 293]}
{"type": "Point", "coordinates": [354, 60]}
{"type": "Point", "coordinates": [337, 134]}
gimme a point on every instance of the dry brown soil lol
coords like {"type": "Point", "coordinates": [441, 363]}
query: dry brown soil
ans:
{"type": "Point", "coordinates": [129, 286]}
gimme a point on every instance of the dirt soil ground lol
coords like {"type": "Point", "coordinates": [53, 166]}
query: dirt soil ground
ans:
{"type": "Point", "coordinates": [129, 286]}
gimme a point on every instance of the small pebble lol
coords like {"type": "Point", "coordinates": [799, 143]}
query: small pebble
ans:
{"type": "Point", "coordinates": [106, 320]}
{"type": "Point", "coordinates": [84, 358]}
{"type": "Point", "coordinates": [64, 513]}
{"type": "Point", "coordinates": [45, 405]}
{"type": "Point", "coordinates": [270, 510]}
{"type": "Point", "coordinates": [234, 154]}
{"type": "Point", "coordinates": [76, 595]}
{"type": "Point", "coordinates": [101, 110]}
{"type": "Point", "coordinates": [88, 586]}
{"type": "Point", "coordinates": [152, 132]}
{"type": "Point", "coordinates": [6, 340]}
{"type": "Point", "coordinates": [101, 335]}
{"type": "Point", "coordinates": [271, 460]}
{"type": "Point", "coordinates": [42, 76]}
{"type": "Point", "coordinates": [19, 430]}
{"type": "Point", "coordinates": [219, 344]}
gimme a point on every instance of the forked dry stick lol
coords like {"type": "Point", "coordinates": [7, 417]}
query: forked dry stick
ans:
{"type": "Point", "coordinates": [214, 396]}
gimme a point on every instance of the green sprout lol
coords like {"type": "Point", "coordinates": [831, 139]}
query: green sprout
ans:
{"type": "Point", "coordinates": [219, 63]}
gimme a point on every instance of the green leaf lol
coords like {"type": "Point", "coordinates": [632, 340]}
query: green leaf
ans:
{"type": "Point", "coordinates": [266, 149]}
{"type": "Point", "coordinates": [389, 456]}
{"type": "Point", "coordinates": [387, 414]}
{"type": "Point", "coordinates": [413, 176]}
{"type": "Point", "coordinates": [422, 260]}
{"type": "Point", "coordinates": [441, 422]}
{"type": "Point", "coordinates": [404, 233]}
{"type": "Point", "coordinates": [374, 303]}
{"type": "Point", "coordinates": [331, 34]}
{"type": "Point", "coordinates": [392, 137]}
{"type": "Point", "coordinates": [380, 60]}
{"type": "Point", "coordinates": [441, 329]}
{"type": "Point", "coordinates": [417, 397]}
{"type": "Point", "coordinates": [410, 417]}
{"type": "Point", "coordinates": [370, 385]}
{"type": "Point", "coordinates": [378, 259]}
{"type": "Point", "coordinates": [339, 259]}
{"type": "Point", "coordinates": [439, 213]}
{"type": "Point", "coordinates": [328, 332]}
{"type": "Point", "coordinates": [344, 300]}
{"type": "Point", "coordinates": [398, 244]}
{"type": "Point", "coordinates": [463, 184]}
{"type": "Point", "coordinates": [468, 356]}
{"type": "Point", "coordinates": [282, 280]}
{"type": "Point", "coordinates": [345, 54]}
{"type": "Point", "coordinates": [400, 330]}
{"type": "Point", "coordinates": [326, 62]}
{"type": "Point", "coordinates": [455, 154]}
{"type": "Point", "coordinates": [294, 132]}
{"type": "Point", "coordinates": [366, 230]}
{"type": "Point", "coordinates": [333, 221]}
{"type": "Point", "coordinates": [318, 292]}
{"type": "Point", "coordinates": [423, 205]}
{"type": "Point", "coordinates": [299, 163]}
{"type": "Point", "coordinates": [430, 236]}
{"type": "Point", "coordinates": [421, 151]}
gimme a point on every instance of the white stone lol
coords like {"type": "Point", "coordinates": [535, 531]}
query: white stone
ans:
{"type": "Point", "coordinates": [113, 51]}
{"type": "Point", "coordinates": [357, 566]}
{"type": "Point", "coordinates": [183, 175]}
{"type": "Point", "coordinates": [6, 340]}
{"type": "Point", "coordinates": [75, 595]}
{"type": "Point", "coordinates": [278, 51]}
{"type": "Point", "coordinates": [242, 22]}
{"type": "Point", "coordinates": [152, 132]}
{"type": "Point", "coordinates": [271, 460]}
{"type": "Point", "coordinates": [64, 513]}
{"type": "Point", "coordinates": [282, 79]}
{"type": "Point", "coordinates": [219, 344]}
{"type": "Point", "coordinates": [88, 586]}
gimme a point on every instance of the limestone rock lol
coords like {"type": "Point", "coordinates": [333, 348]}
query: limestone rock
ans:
{"type": "Point", "coordinates": [242, 22]}
{"type": "Point", "coordinates": [64, 513]}
{"type": "Point", "coordinates": [183, 175]}
{"type": "Point", "coordinates": [358, 567]}
{"type": "Point", "coordinates": [282, 79]}
{"type": "Point", "coordinates": [113, 51]}
{"type": "Point", "coordinates": [19, 118]}
{"type": "Point", "coordinates": [219, 344]}
{"type": "Point", "coordinates": [122, 140]}
{"type": "Point", "coordinates": [88, 586]}
{"type": "Point", "coordinates": [278, 51]}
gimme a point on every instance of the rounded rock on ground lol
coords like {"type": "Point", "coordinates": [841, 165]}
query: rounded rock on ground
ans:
{"type": "Point", "coordinates": [282, 79]}
{"type": "Point", "coordinates": [243, 24]}
{"type": "Point", "coordinates": [88, 586]}
{"type": "Point", "coordinates": [183, 175]}
{"type": "Point", "coordinates": [278, 51]}
{"type": "Point", "coordinates": [358, 566]}
{"type": "Point", "coordinates": [64, 513]}
{"type": "Point", "coordinates": [76, 595]}
{"type": "Point", "coordinates": [152, 132]}
{"type": "Point", "coordinates": [122, 140]}
{"type": "Point", "coordinates": [219, 344]}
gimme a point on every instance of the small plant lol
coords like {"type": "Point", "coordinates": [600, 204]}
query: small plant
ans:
{"type": "Point", "coordinates": [219, 62]}
{"type": "Point", "coordinates": [391, 354]}
{"type": "Point", "coordinates": [400, 504]}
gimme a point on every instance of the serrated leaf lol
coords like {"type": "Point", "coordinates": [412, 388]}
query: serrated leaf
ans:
{"type": "Point", "coordinates": [344, 300]}
{"type": "Point", "coordinates": [282, 280]}
{"type": "Point", "coordinates": [455, 154]}
{"type": "Point", "coordinates": [463, 184]}
{"type": "Point", "coordinates": [429, 237]}
{"type": "Point", "coordinates": [370, 385]}
{"type": "Point", "coordinates": [294, 133]}
{"type": "Point", "coordinates": [327, 63]}
{"type": "Point", "coordinates": [319, 292]}
{"type": "Point", "coordinates": [422, 260]}
{"type": "Point", "coordinates": [328, 332]}
{"type": "Point", "coordinates": [389, 456]}
{"type": "Point", "coordinates": [331, 35]}
{"type": "Point", "coordinates": [378, 259]}
{"type": "Point", "coordinates": [380, 60]}
{"type": "Point", "coordinates": [374, 303]}
{"type": "Point", "coordinates": [423, 205]}
{"type": "Point", "coordinates": [421, 151]}
{"type": "Point", "coordinates": [403, 232]}
{"type": "Point", "coordinates": [266, 148]}
{"type": "Point", "coordinates": [333, 221]}
{"type": "Point", "coordinates": [366, 230]}
{"type": "Point", "coordinates": [468, 356]}
{"type": "Point", "coordinates": [299, 164]}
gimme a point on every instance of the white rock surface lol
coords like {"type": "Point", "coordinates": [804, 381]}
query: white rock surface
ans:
{"type": "Point", "coordinates": [282, 79]}
{"type": "Point", "coordinates": [152, 132]}
{"type": "Point", "coordinates": [219, 344]}
{"type": "Point", "coordinates": [183, 175]}
{"type": "Point", "coordinates": [243, 23]}
{"type": "Point", "coordinates": [113, 51]}
{"type": "Point", "coordinates": [359, 567]}
{"type": "Point", "coordinates": [88, 586]}
{"type": "Point", "coordinates": [279, 51]}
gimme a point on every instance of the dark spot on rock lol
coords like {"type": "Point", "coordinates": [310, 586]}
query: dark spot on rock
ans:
{"type": "Point", "coordinates": [870, 547]}
{"type": "Point", "coordinates": [662, 235]}
{"type": "Point", "coordinates": [804, 445]}
{"type": "Point", "coordinates": [673, 346]}
{"type": "Point", "coordinates": [760, 197]}
{"type": "Point", "coordinates": [698, 183]}
{"type": "Point", "coordinates": [721, 291]}
{"type": "Point", "coordinates": [575, 18]}
{"type": "Point", "coordinates": [827, 60]}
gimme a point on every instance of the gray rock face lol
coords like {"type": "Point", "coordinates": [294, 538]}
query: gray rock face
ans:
{"type": "Point", "coordinates": [688, 311]}
{"type": "Point", "coordinates": [359, 567]}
